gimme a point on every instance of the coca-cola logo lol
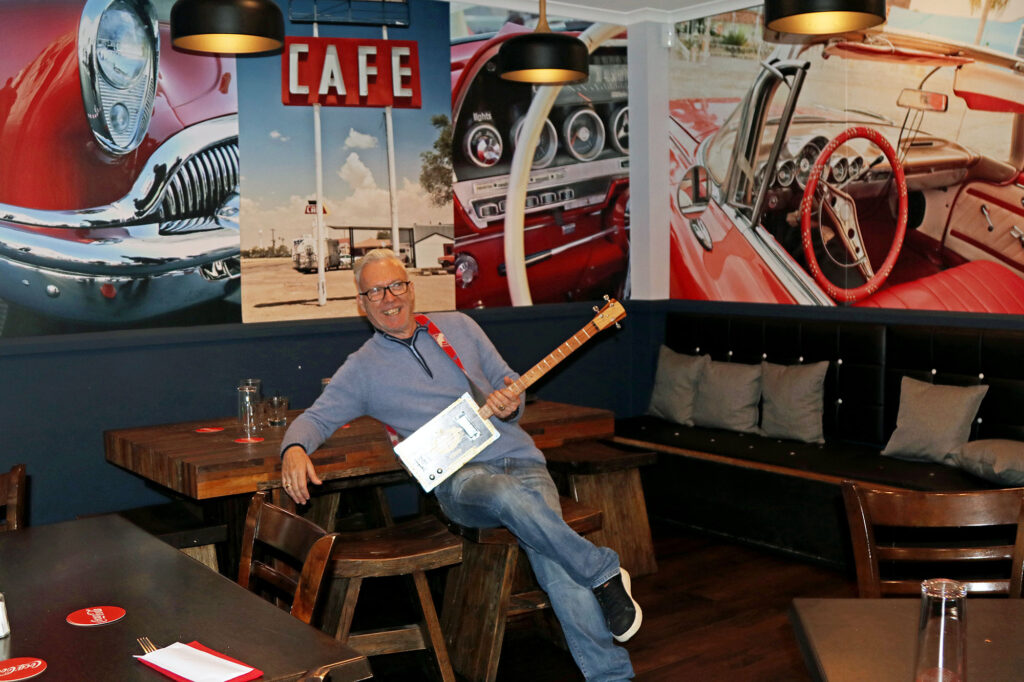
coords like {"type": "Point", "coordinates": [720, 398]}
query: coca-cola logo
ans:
{"type": "Point", "coordinates": [21, 668]}
{"type": "Point", "coordinates": [31, 665]}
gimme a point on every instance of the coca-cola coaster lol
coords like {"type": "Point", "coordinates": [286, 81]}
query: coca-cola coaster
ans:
{"type": "Point", "coordinates": [20, 668]}
{"type": "Point", "coordinates": [251, 439]}
{"type": "Point", "coordinates": [96, 615]}
{"type": "Point", "coordinates": [209, 429]}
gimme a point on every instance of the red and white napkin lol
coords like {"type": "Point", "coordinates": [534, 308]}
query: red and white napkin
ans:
{"type": "Point", "coordinates": [194, 662]}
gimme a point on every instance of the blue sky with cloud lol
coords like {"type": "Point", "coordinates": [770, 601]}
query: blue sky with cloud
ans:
{"type": "Point", "coordinates": [277, 149]}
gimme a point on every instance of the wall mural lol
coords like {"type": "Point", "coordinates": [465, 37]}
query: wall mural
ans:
{"type": "Point", "coordinates": [118, 171]}
{"type": "Point", "coordinates": [353, 71]}
{"type": "Point", "coordinates": [576, 236]}
{"type": "Point", "coordinates": [877, 169]}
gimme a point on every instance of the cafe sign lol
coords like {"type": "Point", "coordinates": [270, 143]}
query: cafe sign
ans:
{"type": "Point", "coordinates": [350, 72]}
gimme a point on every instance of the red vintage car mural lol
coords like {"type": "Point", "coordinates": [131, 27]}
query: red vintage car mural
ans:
{"type": "Point", "coordinates": [576, 223]}
{"type": "Point", "coordinates": [118, 164]}
{"type": "Point", "coordinates": [871, 169]}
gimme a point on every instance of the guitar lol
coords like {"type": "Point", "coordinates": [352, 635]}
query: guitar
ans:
{"type": "Point", "coordinates": [462, 430]}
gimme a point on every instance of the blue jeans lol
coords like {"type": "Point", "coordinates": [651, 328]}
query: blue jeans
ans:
{"type": "Point", "coordinates": [520, 495]}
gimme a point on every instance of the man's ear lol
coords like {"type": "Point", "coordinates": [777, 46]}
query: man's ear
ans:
{"type": "Point", "coordinates": [359, 304]}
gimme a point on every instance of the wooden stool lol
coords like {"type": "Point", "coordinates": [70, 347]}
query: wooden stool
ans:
{"type": "Point", "coordinates": [605, 475]}
{"type": "Point", "coordinates": [182, 527]}
{"type": "Point", "coordinates": [479, 599]}
{"type": "Point", "coordinates": [408, 548]}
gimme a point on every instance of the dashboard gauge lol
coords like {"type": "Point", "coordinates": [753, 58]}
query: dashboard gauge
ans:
{"type": "Point", "coordinates": [583, 133]}
{"type": "Point", "coordinates": [856, 166]}
{"type": "Point", "coordinates": [785, 173]}
{"type": "Point", "coordinates": [805, 162]}
{"type": "Point", "coordinates": [547, 145]}
{"type": "Point", "coordinates": [620, 130]}
{"type": "Point", "coordinates": [482, 145]}
{"type": "Point", "coordinates": [839, 169]}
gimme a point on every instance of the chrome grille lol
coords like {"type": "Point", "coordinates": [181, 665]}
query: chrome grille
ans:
{"type": "Point", "coordinates": [198, 188]}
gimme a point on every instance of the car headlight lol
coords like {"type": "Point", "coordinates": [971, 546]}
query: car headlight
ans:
{"type": "Point", "coordinates": [118, 52]}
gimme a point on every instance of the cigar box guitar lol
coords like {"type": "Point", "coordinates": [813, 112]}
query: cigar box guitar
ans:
{"type": "Point", "coordinates": [463, 429]}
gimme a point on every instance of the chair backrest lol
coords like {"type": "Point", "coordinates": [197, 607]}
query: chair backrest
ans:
{"type": "Point", "coordinates": [12, 498]}
{"type": "Point", "coordinates": [901, 537]}
{"type": "Point", "coordinates": [284, 557]}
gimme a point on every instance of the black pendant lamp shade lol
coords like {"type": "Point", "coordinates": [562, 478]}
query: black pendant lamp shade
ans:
{"type": "Point", "coordinates": [544, 57]}
{"type": "Point", "coordinates": [817, 17]}
{"type": "Point", "coordinates": [227, 26]}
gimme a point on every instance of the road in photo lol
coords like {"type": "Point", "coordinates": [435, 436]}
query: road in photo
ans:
{"type": "Point", "coordinates": [274, 290]}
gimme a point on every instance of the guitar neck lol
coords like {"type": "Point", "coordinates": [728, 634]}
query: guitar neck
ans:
{"type": "Point", "coordinates": [533, 374]}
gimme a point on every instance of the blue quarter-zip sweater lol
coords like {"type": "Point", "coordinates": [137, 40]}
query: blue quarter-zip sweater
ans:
{"type": "Point", "coordinates": [405, 384]}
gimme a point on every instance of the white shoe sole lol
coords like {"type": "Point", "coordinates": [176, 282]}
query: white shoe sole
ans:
{"type": "Point", "coordinates": [628, 634]}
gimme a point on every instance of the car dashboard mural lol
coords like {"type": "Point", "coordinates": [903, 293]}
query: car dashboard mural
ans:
{"type": "Point", "coordinates": [873, 169]}
{"type": "Point", "coordinates": [576, 208]}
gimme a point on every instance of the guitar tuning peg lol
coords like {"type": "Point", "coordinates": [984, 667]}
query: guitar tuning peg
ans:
{"type": "Point", "coordinates": [618, 326]}
{"type": "Point", "coordinates": [606, 298]}
{"type": "Point", "coordinates": [596, 309]}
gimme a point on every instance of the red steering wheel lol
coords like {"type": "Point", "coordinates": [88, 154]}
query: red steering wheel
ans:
{"type": "Point", "coordinates": [843, 210]}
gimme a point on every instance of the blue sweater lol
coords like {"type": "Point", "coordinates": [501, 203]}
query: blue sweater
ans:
{"type": "Point", "coordinates": [407, 385]}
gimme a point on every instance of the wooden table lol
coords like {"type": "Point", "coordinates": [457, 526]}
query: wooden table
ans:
{"type": "Point", "coordinates": [211, 465]}
{"type": "Point", "coordinates": [48, 572]}
{"type": "Point", "coordinates": [874, 640]}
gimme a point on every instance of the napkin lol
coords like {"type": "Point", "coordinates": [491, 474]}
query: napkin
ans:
{"type": "Point", "coordinates": [194, 662]}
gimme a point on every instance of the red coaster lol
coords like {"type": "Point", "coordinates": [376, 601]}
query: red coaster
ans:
{"type": "Point", "coordinates": [255, 439]}
{"type": "Point", "coordinates": [20, 668]}
{"type": "Point", "coordinates": [96, 615]}
{"type": "Point", "coordinates": [209, 429]}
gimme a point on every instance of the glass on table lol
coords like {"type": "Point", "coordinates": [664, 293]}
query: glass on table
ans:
{"type": "Point", "coordinates": [941, 632]}
{"type": "Point", "coordinates": [277, 410]}
{"type": "Point", "coordinates": [249, 410]}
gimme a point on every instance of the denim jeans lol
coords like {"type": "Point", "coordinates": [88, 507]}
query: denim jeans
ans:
{"type": "Point", "coordinates": [520, 495]}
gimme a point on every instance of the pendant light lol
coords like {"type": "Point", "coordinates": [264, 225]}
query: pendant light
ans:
{"type": "Point", "coordinates": [544, 57]}
{"type": "Point", "coordinates": [227, 26]}
{"type": "Point", "coordinates": [817, 17]}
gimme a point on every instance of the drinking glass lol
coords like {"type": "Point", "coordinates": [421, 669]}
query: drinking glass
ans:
{"type": "Point", "coordinates": [941, 632]}
{"type": "Point", "coordinates": [253, 382]}
{"type": "Point", "coordinates": [249, 410]}
{"type": "Point", "coordinates": [277, 410]}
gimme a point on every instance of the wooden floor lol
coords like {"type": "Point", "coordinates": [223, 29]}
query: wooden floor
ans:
{"type": "Point", "coordinates": [714, 611]}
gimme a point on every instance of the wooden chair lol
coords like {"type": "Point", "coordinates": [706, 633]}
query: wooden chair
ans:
{"type": "Point", "coordinates": [408, 548]}
{"type": "Point", "coordinates": [976, 537]}
{"type": "Point", "coordinates": [284, 557]}
{"type": "Point", "coordinates": [493, 584]}
{"type": "Point", "coordinates": [12, 498]}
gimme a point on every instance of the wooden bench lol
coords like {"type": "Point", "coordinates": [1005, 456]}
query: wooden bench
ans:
{"type": "Point", "coordinates": [479, 597]}
{"type": "Point", "coordinates": [606, 476]}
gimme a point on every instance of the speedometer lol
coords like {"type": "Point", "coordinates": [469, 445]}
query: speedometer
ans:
{"type": "Point", "coordinates": [482, 145]}
{"type": "Point", "coordinates": [785, 173]}
{"type": "Point", "coordinates": [583, 133]}
{"type": "Point", "coordinates": [547, 145]}
{"type": "Point", "coordinates": [839, 169]}
{"type": "Point", "coordinates": [805, 162]}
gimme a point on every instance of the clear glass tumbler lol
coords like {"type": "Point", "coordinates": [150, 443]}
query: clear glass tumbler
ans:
{"type": "Point", "coordinates": [249, 410]}
{"type": "Point", "coordinates": [277, 410]}
{"type": "Point", "coordinates": [942, 632]}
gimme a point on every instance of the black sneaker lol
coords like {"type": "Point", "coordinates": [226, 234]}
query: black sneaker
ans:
{"type": "Point", "coordinates": [621, 612]}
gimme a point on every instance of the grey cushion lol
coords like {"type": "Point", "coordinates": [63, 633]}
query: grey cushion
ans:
{"type": "Point", "coordinates": [997, 460]}
{"type": "Point", "coordinates": [727, 397]}
{"type": "Point", "coordinates": [933, 420]}
{"type": "Point", "coordinates": [794, 397]}
{"type": "Point", "coordinates": [675, 385]}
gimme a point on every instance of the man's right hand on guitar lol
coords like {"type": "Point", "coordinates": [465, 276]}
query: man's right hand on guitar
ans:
{"type": "Point", "coordinates": [297, 471]}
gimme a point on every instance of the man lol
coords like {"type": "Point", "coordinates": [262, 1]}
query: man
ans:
{"type": "Point", "coordinates": [402, 377]}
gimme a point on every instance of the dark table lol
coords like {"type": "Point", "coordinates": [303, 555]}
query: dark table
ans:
{"type": "Point", "coordinates": [48, 572]}
{"type": "Point", "coordinates": [874, 640]}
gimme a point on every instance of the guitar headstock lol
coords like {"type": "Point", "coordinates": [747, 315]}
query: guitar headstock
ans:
{"type": "Point", "coordinates": [609, 314]}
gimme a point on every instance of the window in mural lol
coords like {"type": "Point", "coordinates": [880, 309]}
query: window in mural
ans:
{"type": "Point", "coordinates": [880, 168]}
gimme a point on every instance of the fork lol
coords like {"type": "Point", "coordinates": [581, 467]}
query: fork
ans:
{"type": "Point", "coordinates": [147, 645]}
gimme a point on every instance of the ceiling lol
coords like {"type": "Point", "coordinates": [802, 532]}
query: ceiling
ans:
{"type": "Point", "coordinates": [625, 12]}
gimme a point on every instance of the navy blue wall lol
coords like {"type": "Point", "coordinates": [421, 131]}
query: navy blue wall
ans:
{"type": "Point", "coordinates": [59, 393]}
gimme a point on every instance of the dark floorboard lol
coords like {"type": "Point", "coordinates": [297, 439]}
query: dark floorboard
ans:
{"type": "Point", "coordinates": [715, 610]}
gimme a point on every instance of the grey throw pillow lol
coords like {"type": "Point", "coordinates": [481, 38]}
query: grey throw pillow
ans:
{"type": "Point", "coordinates": [727, 396]}
{"type": "Point", "coordinates": [794, 398]}
{"type": "Point", "coordinates": [998, 460]}
{"type": "Point", "coordinates": [675, 385]}
{"type": "Point", "coordinates": [933, 420]}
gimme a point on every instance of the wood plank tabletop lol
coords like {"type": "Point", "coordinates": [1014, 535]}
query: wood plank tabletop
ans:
{"type": "Point", "coordinates": [201, 464]}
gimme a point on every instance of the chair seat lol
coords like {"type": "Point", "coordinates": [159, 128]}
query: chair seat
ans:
{"type": "Point", "coordinates": [975, 287]}
{"type": "Point", "coordinates": [422, 544]}
{"type": "Point", "coordinates": [579, 517]}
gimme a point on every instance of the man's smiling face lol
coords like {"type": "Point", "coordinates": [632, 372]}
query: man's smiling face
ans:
{"type": "Point", "coordinates": [391, 314]}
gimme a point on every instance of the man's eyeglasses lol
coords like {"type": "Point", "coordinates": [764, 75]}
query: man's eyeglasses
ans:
{"type": "Point", "coordinates": [377, 293]}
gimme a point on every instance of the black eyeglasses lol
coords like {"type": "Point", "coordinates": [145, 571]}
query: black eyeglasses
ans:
{"type": "Point", "coordinates": [377, 293]}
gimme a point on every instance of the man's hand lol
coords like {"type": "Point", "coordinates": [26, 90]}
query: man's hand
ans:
{"type": "Point", "coordinates": [503, 402]}
{"type": "Point", "coordinates": [296, 470]}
